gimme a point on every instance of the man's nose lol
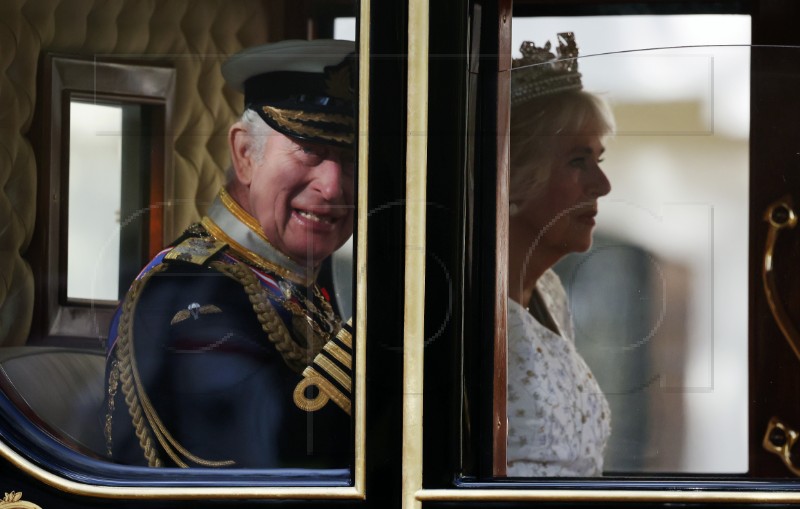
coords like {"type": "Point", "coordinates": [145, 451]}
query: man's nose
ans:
{"type": "Point", "coordinates": [329, 179]}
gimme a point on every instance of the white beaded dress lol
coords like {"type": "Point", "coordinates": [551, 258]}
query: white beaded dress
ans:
{"type": "Point", "coordinates": [558, 418]}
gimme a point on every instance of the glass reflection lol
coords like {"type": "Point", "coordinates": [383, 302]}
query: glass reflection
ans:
{"type": "Point", "coordinates": [77, 377]}
{"type": "Point", "coordinates": [226, 352]}
{"type": "Point", "coordinates": [558, 417]}
{"type": "Point", "coordinates": [660, 301]}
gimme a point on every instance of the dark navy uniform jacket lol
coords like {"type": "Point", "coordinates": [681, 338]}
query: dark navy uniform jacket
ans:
{"type": "Point", "coordinates": [208, 381]}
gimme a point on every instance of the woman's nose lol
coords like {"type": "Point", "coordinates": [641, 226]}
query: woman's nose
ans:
{"type": "Point", "coordinates": [600, 185]}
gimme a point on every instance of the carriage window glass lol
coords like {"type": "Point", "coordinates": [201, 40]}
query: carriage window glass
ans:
{"type": "Point", "coordinates": [95, 153]}
{"type": "Point", "coordinates": [659, 302]}
{"type": "Point", "coordinates": [75, 403]}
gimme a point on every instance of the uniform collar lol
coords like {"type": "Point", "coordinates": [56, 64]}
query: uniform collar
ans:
{"type": "Point", "coordinates": [229, 222]}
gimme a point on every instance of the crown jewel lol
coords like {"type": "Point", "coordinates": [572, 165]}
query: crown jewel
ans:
{"type": "Point", "coordinates": [539, 72]}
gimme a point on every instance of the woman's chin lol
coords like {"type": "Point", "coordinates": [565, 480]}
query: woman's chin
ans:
{"type": "Point", "coordinates": [581, 245]}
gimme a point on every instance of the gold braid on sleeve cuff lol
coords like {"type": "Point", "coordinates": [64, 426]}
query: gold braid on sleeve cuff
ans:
{"type": "Point", "coordinates": [330, 375]}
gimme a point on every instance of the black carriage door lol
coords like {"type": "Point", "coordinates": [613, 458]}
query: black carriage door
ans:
{"type": "Point", "coordinates": [774, 241]}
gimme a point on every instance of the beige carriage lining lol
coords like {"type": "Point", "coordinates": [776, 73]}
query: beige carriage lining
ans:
{"type": "Point", "coordinates": [196, 35]}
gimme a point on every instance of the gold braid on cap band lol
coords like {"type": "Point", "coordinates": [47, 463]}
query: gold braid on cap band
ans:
{"type": "Point", "coordinates": [291, 119]}
{"type": "Point", "coordinates": [539, 72]}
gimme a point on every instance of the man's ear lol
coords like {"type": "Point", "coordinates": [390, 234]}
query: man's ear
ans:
{"type": "Point", "coordinates": [240, 144]}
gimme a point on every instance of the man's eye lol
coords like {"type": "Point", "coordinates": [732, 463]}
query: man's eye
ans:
{"type": "Point", "coordinates": [312, 155]}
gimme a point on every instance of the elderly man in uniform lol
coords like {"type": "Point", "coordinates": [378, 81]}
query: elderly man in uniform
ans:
{"type": "Point", "coordinates": [224, 352]}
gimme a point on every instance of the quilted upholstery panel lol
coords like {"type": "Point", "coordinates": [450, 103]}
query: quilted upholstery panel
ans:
{"type": "Point", "coordinates": [196, 35]}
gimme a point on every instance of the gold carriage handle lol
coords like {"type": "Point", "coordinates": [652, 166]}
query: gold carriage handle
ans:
{"type": "Point", "coordinates": [781, 440]}
{"type": "Point", "coordinates": [779, 215]}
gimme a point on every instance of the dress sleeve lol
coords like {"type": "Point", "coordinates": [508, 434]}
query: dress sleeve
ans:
{"type": "Point", "coordinates": [525, 385]}
{"type": "Point", "coordinates": [555, 297]}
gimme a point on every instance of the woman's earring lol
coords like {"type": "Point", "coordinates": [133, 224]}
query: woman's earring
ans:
{"type": "Point", "coordinates": [513, 209]}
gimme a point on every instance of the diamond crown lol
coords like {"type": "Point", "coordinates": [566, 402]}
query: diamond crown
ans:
{"type": "Point", "coordinates": [539, 72]}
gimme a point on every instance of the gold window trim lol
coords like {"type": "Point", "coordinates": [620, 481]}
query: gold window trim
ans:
{"type": "Point", "coordinates": [355, 492]}
{"type": "Point", "coordinates": [691, 495]}
{"type": "Point", "coordinates": [414, 288]}
{"type": "Point", "coordinates": [413, 493]}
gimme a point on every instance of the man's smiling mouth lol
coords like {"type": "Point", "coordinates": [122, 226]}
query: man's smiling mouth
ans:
{"type": "Point", "coordinates": [314, 217]}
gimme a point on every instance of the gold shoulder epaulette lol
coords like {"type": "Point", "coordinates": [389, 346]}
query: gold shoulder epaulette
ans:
{"type": "Point", "coordinates": [196, 250]}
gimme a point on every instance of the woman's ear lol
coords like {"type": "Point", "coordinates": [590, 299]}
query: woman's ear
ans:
{"type": "Point", "coordinates": [240, 144]}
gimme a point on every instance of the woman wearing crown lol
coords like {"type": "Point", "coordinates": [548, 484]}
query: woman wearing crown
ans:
{"type": "Point", "coordinates": [558, 418]}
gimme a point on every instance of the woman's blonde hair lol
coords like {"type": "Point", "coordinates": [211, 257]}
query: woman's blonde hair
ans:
{"type": "Point", "coordinates": [536, 126]}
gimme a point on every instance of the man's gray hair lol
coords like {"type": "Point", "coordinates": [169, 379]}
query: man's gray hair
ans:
{"type": "Point", "coordinates": [259, 131]}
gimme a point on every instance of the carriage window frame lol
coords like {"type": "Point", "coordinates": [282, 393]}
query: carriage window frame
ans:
{"type": "Point", "coordinates": [683, 488]}
{"type": "Point", "coordinates": [684, 376]}
{"type": "Point", "coordinates": [143, 87]}
{"type": "Point", "coordinates": [37, 453]}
